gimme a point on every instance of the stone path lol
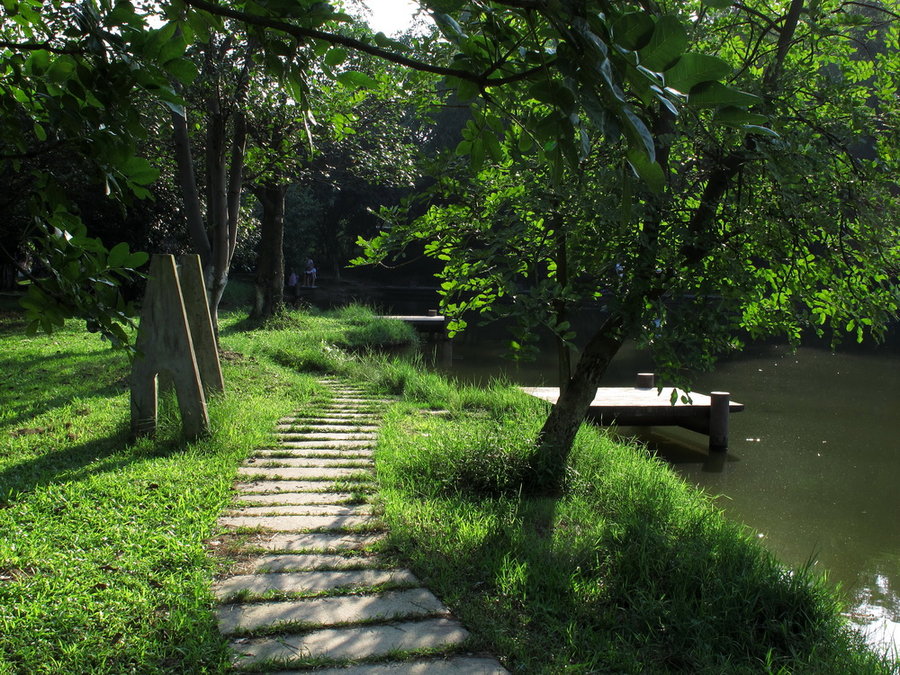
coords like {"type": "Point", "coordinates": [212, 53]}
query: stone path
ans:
{"type": "Point", "coordinates": [309, 592]}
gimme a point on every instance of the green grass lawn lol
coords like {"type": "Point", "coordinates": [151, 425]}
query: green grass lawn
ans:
{"type": "Point", "coordinates": [104, 569]}
{"type": "Point", "coordinates": [102, 562]}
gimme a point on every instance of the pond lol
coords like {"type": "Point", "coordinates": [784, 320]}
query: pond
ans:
{"type": "Point", "coordinates": [813, 464]}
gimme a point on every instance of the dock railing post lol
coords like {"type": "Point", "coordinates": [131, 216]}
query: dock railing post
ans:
{"type": "Point", "coordinates": [720, 402]}
{"type": "Point", "coordinates": [645, 381]}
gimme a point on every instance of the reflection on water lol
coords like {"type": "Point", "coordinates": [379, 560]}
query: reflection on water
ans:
{"type": "Point", "coordinates": [813, 464]}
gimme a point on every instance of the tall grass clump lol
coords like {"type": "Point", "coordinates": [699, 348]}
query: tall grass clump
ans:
{"type": "Point", "coordinates": [320, 342]}
{"type": "Point", "coordinates": [630, 570]}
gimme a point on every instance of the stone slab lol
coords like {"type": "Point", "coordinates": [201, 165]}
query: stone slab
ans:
{"type": "Point", "coordinates": [345, 462]}
{"type": "Point", "coordinates": [352, 643]}
{"type": "Point", "coordinates": [317, 426]}
{"type": "Point", "coordinates": [350, 453]}
{"type": "Point", "coordinates": [299, 473]}
{"type": "Point", "coordinates": [316, 541]}
{"type": "Point", "coordinates": [297, 562]}
{"type": "Point", "coordinates": [325, 436]}
{"type": "Point", "coordinates": [308, 498]}
{"type": "Point", "coordinates": [325, 415]}
{"type": "Point", "coordinates": [300, 510]}
{"type": "Point", "coordinates": [362, 399]}
{"type": "Point", "coordinates": [310, 582]}
{"type": "Point", "coordinates": [336, 444]}
{"type": "Point", "coordinates": [456, 665]}
{"type": "Point", "coordinates": [298, 523]}
{"type": "Point", "coordinates": [276, 486]}
{"type": "Point", "coordinates": [415, 602]}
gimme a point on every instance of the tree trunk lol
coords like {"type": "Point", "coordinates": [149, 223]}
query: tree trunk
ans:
{"type": "Point", "coordinates": [188, 184]}
{"type": "Point", "coordinates": [269, 296]}
{"type": "Point", "coordinates": [563, 349]}
{"type": "Point", "coordinates": [558, 433]}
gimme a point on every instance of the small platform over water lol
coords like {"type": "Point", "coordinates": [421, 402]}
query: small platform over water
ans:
{"type": "Point", "coordinates": [424, 322]}
{"type": "Point", "coordinates": [645, 405]}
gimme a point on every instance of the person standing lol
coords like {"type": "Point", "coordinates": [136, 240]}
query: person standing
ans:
{"type": "Point", "coordinates": [309, 275]}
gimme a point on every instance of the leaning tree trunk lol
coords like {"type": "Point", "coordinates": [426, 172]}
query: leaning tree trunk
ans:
{"type": "Point", "coordinates": [555, 439]}
{"type": "Point", "coordinates": [269, 296]}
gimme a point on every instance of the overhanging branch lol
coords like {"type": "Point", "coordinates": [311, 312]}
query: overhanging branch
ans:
{"type": "Point", "coordinates": [302, 33]}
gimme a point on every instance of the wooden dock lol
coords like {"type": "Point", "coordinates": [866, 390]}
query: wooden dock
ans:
{"type": "Point", "coordinates": [644, 405]}
{"type": "Point", "coordinates": [428, 323]}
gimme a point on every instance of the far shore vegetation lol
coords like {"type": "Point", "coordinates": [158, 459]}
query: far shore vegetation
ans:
{"type": "Point", "coordinates": [109, 547]}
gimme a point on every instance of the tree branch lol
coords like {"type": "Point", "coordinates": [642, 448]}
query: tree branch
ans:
{"type": "Point", "coordinates": [358, 45]}
{"type": "Point", "coordinates": [39, 46]}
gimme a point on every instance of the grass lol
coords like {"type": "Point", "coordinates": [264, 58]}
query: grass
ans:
{"type": "Point", "coordinates": [103, 567]}
{"type": "Point", "coordinates": [102, 562]}
{"type": "Point", "coordinates": [631, 571]}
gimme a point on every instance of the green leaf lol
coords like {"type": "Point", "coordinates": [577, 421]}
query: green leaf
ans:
{"type": "Point", "coordinates": [385, 42]}
{"type": "Point", "coordinates": [648, 170]}
{"type": "Point", "coordinates": [138, 170]}
{"type": "Point", "coordinates": [708, 94]}
{"type": "Point", "coordinates": [718, 4]}
{"type": "Point", "coordinates": [692, 69]}
{"type": "Point", "coordinates": [136, 259]}
{"type": "Point", "coordinates": [667, 44]}
{"type": "Point", "coordinates": [61, 69]}
{"type": "Point", "coordinates": [183, 69]}
{"type": "Point", "coordinates": [737, 116]}
{"type": "Point", "coordinates": [118, 254]}
{"type": "Point", "coordinates": [335, 56]}
{"type": "Point", "coordinates": [463, 148]}
{"type": "Point", "coordinates": [553, 93]}
{"type": "Point", "coordinates": [353, 79]}
{"type": "Point", "coordinates": [476, 155]}
{"type": "Point", "coordinates": [633, 30]}
{"type": "Point", "coordinates": [638, 134]}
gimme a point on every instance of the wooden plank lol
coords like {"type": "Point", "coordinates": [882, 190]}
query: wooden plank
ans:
{"type": "Point", "coordinates": [632, 400]}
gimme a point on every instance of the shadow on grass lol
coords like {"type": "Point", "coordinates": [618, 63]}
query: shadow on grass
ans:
{"type": "Point", "coordinates": [634, 592]}
{"type": "Point", "coordinates": [66, 374]}
{"type": "Point", "coordinates": [71, 463]}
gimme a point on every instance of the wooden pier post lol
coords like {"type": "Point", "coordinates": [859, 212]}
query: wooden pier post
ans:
{"type": "Point", "coordinates": [720, 402]}
{"type": "Point", "coordinates": [645, 381]}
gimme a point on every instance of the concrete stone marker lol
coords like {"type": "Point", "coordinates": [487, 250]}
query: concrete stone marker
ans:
{"type": "Point", "coordinates": [165, 344]}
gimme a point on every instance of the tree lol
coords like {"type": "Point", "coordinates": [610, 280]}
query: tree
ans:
{"type": "Point", "coordinates": [354, 126]}
{"type": "Point", "coordinates": [734, 228]}
{"type": "Point", "coordinates": [220, 92]}
{"type": "Point", "coordinates": [75, 80]}
{"type": "Point", "coordinates": [581, 61]}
